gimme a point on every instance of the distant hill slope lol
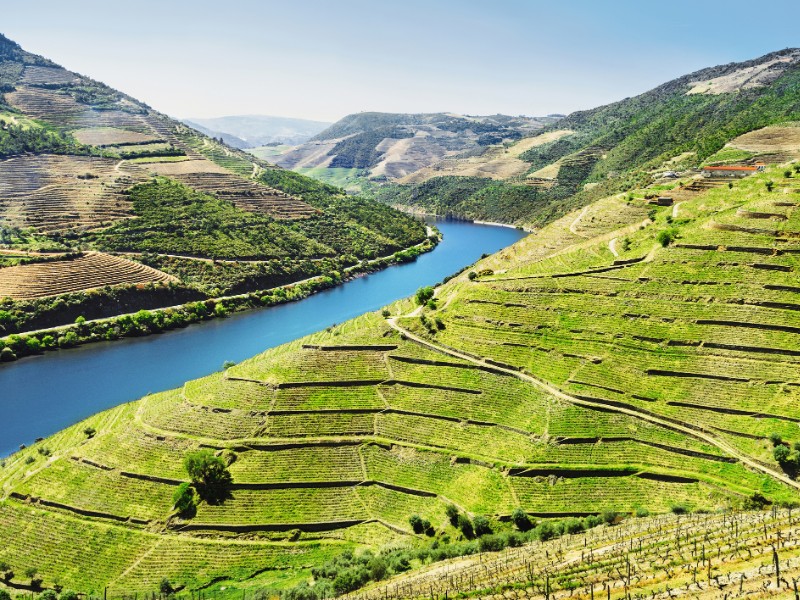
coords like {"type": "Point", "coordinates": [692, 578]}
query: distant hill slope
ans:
{"type": "Point", "coordinates": [389, 146]}
{"type": "Point", "coordinates": [251, 131]}
{"type": "Point", "coordinates": [630, 357]}
{"type": "Point", "coordinates": [83, 166]}
{"type": "Point", "coordinates": [676, 126]}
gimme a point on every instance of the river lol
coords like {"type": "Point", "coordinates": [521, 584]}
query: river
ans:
{"type": "Point", "coordinates": [43, 394]}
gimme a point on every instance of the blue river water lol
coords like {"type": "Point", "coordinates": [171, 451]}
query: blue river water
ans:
{"type": "Point", "coordinates": [43, 394]}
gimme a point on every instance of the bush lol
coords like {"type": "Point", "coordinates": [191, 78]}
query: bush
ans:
{"type": "Point", "coordinates": [184, 501]}
{"type": "Point", "coordinates": [472, 275]}
{"type": "Point", "coordinates": [416, 523]}
{"type": "Point", "coordinates": [452, 514]}
{"type": "Point", "coordinates": [776, 439]}
{"type": "Point", "coordinates": [573, 526]}
{"type": "Point", "coordinates": [769, 185]}
{"type": "Point", "coordinates": [642, 512]}
{"type": "Point", "coordinates": [481, 525]}
{"type": "Point", "coordinates": [165, 587]}
{"type": "Point", "coordinates": [609, 517]}
{"type": "Point", "coordinates": [48, 595]}
{"type": "Point", "coordinates": [465, 525]}
{"type": "Point", "coordinates": [4, 595]}
{"type": "Point", "coordinates": [545, 531]}
{"type": "Point", "coordinates": [679, 509]}
{"type": "Point", "coordinates": [89, 432]}
{"type": "Point", "coordinates": [666, 236]}
{"type": "Point", "coordinates": [491, 543]}
{"type": "Point", "coordinates": [68, 595]}
{"type": "Point", "coordinates": [787, 173]}
{"type": "Point", "coordinates": [755, 502]}
{"type": "Point", "coordinates": [521, 520]}
{"type": "Point", "coordinates": [7, 355]}
{"type": "Point", "coordinates": [385, 313]}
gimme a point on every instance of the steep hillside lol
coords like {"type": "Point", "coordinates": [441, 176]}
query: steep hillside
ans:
{"type": "Point", "coordinates": [628, 358]}
{"type": "Point", "coordinates": [84, 167]}
{"type": "Point", "coordinates": [369, 147]}
{"type": "Point", "coordinates": [589, 154]}
{"type": "Point", "coordinates": [252, 131]}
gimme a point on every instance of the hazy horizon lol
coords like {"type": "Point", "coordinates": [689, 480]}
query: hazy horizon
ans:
{"type": "Point", "coordinates": [321, 62]}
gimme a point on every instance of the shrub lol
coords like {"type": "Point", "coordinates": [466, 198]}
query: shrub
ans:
{"type": "Point", "coordinates": [679, 509]}
{"type": "Point", "coordinates": [609, 517]}
{"type": "Point", "coordinates": [787, 173]}
{"type": "Point", "coordinates": [797, 168]}
{"type": "Point", "coordinates": [68, 595]}
{"type": "Point", "coordinates": [472, 275]}
{"type": "Point", "coordinates": [755, 502]}
{"type": "Point", "coordinates": [7, 355]}
{"type": "Point", "coordinates": [481, 525]}
{"type": "Point", "coordinates": [491, 543]}
{"type": "Point", "coordinates": [769, 185]}
{"type": "Point", "coordinates": [452, 514]}
{"type": "Point", "coordinates": [385, 313]}
{"type": "Point", "coordinates": [573, 526]}
{"type": "Point", "coordinates": [642, 512]}
{"type": "Point", "coordinates": [165, 587]}
{"type": "Point", "coordinates": [33, 345]}
{"type": "Point", "coordinates": [465, 525]}
{"type": "Point", "coordinates": [184, 501]}
{"type": "Point", "coordinates": [377, 567]}
{"type": "Point", "coordinates": [89, 432]}
{"type": "Point", "coordinates": [521, 520]}
{"type": "Point", "coordinates": [666, 236]}
{"type": "Point", "coordinates": [416, 523]}
{"type": "Point", "coordinates": [48, 595]}
{"type": "Point", "coordinates": [545, 531]}
{"type": "Point", "coordinates": [776, 439]}
{"type": "Point", "coordinates": [4, 595]}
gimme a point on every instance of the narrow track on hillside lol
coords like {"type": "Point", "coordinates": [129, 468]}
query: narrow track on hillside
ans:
{"type": "Point", "coordinates": [556, 392]}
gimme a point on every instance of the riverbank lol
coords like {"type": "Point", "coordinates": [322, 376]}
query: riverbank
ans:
{"type": "Point", "coordinates": [409, 210]}
{"type": "Point", "coordinates": [158, 320]}
{"type": "Point", "coordinates": [46, 393]}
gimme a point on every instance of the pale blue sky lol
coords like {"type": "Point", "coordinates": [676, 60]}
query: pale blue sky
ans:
{"type": "Point", "coordinates": [324, 59]}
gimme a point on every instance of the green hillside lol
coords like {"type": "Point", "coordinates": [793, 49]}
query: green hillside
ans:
{"type": "Point", "coordinates": [626, 359]}
{"type": "Point", "coordinates": [87, 169]}
{"type": "Point", "coordinates": [630, 142]}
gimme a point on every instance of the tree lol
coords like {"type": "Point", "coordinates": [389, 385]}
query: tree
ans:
{"type": "Point", "coordinates": [769, 184]}
{"type": "Point", "coordinates": [424, 294]}
{"type": "Point", "coordinates": [481, 525]}
{"type": "Point", "coordinates": [68, 595]}
{"type": "Point", "coordinates": [520, 518]}
{"type": "Point", "coordinates": [209, 474]}
{"type": "Point", "coordinates": [4, 595]}
{"type": "Point", "coordinates": [781, 454]}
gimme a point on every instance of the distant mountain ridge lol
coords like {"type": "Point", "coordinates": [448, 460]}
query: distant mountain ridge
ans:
{"type": "Point", "coordinates": [390, 146]}
{"type": "Point", "coordinates": [252, 131]}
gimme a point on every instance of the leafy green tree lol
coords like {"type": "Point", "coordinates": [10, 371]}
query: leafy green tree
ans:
{"type": "Point", "coordinates": [68, 595]}
{"type": "Point", "coordinates": [781, 454]}
{"type": "Point", "coordinates": [165, 587]}
{"type": "Point", "coordinates": [416, 523]}
{"type": "Point", "coordinates": [465, 525]}
{"type": "Point", "coordinates": [209, 474]}
{"type": "Point", "coordinates": [521, 520]}
{"type": "Point", "coordinates": [481, 525]}
{"type": "Point", "coordinates": [424, 294]}
{"type": "Point", "coordinates": [769, 185]}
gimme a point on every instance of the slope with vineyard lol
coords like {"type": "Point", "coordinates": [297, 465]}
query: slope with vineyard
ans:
{"type": "Point", "coordinates": [84, 167]}
{"type": "Point", "coordinates": [629, 357]}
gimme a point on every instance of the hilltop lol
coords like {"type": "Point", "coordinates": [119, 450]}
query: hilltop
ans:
{"type": "Point", "coordinates": [253, 131]}
{"type": "Point", "coordinates": [369, 147]}
{"type": "Point", "coordinates": [628, 358]}
{"type": "Point", "coordinates": [587, 155]}
{"type": "Point", "coordinates": [108, 206]}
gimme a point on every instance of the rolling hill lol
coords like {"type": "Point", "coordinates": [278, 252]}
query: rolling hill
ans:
{"type": "Point", "coordinates": [628, 358]}
{"type": "Point", "coordinates": [252, 131]}
{"type": "Point", "coordinates": [677, 126]}
{"type": "Point", "coordinates": [383, 147]}
{"type": "Point", "coordinates": [87, 172]}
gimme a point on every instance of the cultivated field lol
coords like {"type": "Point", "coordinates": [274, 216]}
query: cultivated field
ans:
{"type": "Point", "coordinates": [89, 271]}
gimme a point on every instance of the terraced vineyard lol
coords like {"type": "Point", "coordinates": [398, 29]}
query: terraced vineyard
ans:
{"type": "Point", "coordinates": [650, 380]}
{"type": "Point", "coordinates": [74, 152]}
{"type": "Point", "coordinates": [90, 271]}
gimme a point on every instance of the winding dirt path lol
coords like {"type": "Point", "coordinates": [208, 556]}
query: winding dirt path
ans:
{"type": "Point", "coordinates": [683, 427]}
{"type": "Point", "coordinates": [612, 245]}
{"type": "Point", "coordinates": [573, 227]}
